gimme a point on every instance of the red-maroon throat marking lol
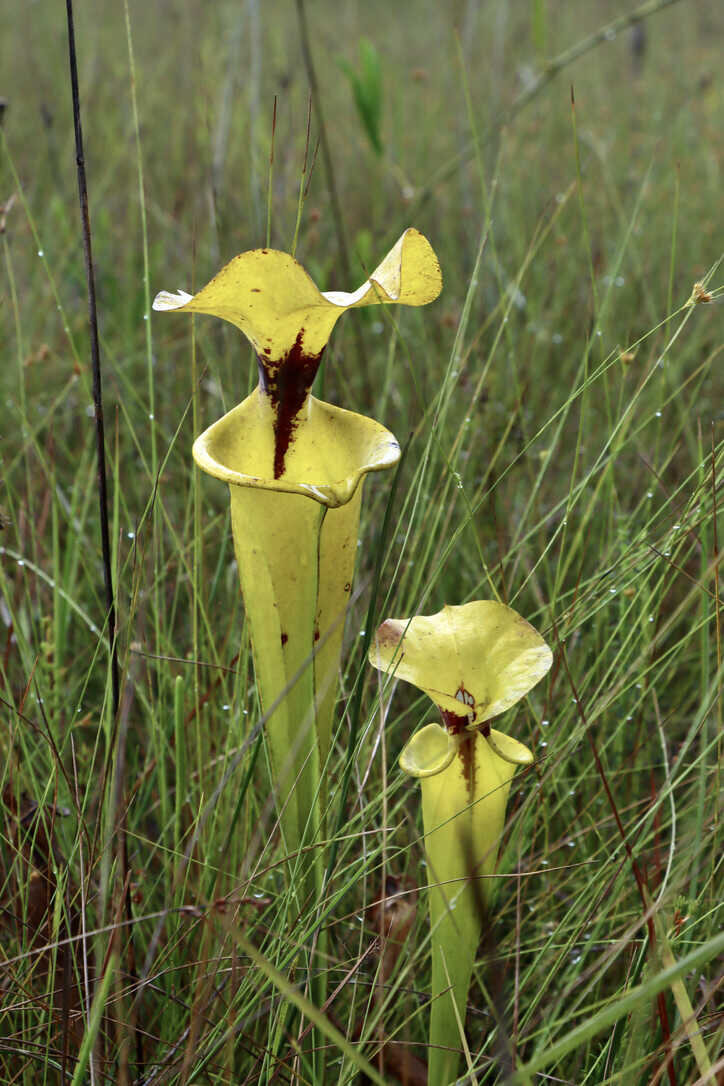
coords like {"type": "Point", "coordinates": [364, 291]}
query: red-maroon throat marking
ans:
{"type": "Point", "coordinates": [287, 383]}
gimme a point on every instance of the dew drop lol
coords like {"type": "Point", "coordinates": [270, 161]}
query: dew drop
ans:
{"type": "Point", "coordinates": [41, 252]}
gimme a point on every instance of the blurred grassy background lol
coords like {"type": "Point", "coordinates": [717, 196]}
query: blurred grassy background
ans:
{"type": "Point", "coordinates": [562, 410]}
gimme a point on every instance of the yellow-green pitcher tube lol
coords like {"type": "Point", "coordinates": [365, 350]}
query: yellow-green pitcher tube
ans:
{"type": "Point", "coordinates": [463, 814]}
{"type": "Point", "coordinates": [295, 540]}
{"type": "Point", "coordinates": [296, 564]}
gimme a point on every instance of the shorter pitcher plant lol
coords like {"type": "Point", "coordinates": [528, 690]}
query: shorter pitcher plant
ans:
{"type": "Point", "coordinates": [295, 468]}
{"type": "Point", "coordinates": [474, 662]}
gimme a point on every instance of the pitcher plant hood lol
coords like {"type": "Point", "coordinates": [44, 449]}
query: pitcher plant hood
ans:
{"type": "Point", "coordinates": [474, 661]}
{"type": "Point", "coordinates": [270, 297]}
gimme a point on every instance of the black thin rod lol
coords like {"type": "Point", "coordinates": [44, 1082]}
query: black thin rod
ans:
{"type": "Point", "coordinates": [101, 472]}
{"type": "Point", "coordinates": [96, 364]}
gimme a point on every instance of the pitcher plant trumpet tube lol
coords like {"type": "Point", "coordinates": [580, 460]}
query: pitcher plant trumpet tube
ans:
{"type": "Point", "coordinates": [474, 662]}
{"type": "Point", "coordinates": [295, 468]}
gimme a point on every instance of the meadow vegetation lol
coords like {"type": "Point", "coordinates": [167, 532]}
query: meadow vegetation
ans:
{"type": "Point", "coordinates": [560, 413]}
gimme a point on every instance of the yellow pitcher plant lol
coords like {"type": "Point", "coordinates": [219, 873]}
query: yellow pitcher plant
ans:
{"type": "Point", "coordinates": [295, 468]}
{"type": "Point", "coordinates": [474, 662]}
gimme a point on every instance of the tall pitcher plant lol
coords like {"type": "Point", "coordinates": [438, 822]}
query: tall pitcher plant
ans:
{"type": "Point", "coordinates": [295, 468]}
{"type": "Point", "coordinates": [474, 662]}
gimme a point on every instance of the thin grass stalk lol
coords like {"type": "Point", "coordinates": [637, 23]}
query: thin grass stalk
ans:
{"type": "Point", "coordinates": [639, 879]}
{"type": "Point", "coordinates": [101, 476]}
{"type": "Point", "coordinates": [355, 709]}
{"type": "Point", "coordinates": [95, 362]}
{"type": "Point", "coordinates": [553, 68]}
{"type": "Point", "coordinates": [335, 205]}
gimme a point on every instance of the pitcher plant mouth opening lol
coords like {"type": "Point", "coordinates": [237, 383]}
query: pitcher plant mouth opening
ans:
{"type": "Point", "coordinates": [270, 297]}
{"type": "Point", "coordinates": [332, 450]}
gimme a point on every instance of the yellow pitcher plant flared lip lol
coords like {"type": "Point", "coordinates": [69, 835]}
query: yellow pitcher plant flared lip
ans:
{"type": "Point", "coordinates": [332, 450]}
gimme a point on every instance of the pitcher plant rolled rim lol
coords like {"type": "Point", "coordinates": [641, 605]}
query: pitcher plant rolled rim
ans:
{"type": "Point", "coordinates": [380, 452]}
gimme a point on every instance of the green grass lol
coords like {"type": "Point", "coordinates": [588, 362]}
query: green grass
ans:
{"type": "Point", "coordinates": [561, 410]}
